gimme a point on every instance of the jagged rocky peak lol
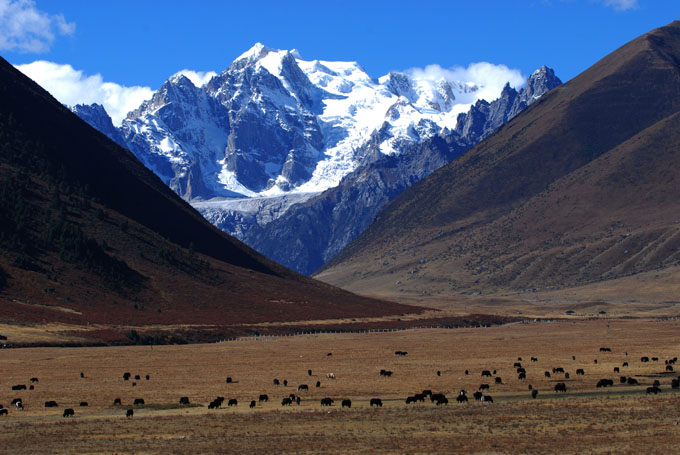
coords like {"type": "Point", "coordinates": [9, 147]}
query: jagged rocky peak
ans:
{"type": "Point", "coordinates": [275, 125]}
{"type": "Point", "coordinates": [177, 89]}
{"type": "Point", "coordinates": [434, 94]}
{"type": "Point", "coordinates": [484, 118]}
{"type": "Point", "coordinates": [446, 92]}
{"type": "Point", "coordinates": [307, 235]}
{"type": "Point", "coordinates": [277, 62]}
{"type": "Point", "coordinates": [541, 81]}
{"type": "Point", "coordinates": [91, 110]}
{"type": "Point", "coordinates": [250, 56]}
{"type": "Point", "coordinates": [97, 117]}
{"type": "Point", "coordinates": [259, 51]}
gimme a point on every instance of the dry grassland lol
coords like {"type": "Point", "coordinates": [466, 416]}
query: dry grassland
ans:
{"type": "Point", "coordinates": [622, 419]}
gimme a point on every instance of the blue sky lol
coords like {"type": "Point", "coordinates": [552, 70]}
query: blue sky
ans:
{"type": "Point", "coordinates": [141, 43]}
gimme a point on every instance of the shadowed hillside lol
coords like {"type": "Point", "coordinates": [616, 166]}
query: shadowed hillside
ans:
{"type": "Point", "coordinates": [578, 188]}
{"type": "Point", "coordinates": [89, 235]}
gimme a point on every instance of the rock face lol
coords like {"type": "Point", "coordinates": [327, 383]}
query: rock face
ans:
{"type": "Point", "coordinates": [179, 134]}
{"type": "Point", "coordinates": [312, 232]}
{"type": "Point", "coordinates": [278, 129]}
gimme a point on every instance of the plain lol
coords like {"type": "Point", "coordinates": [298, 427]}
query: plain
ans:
{"type": "Point", "coordinates": [585, 419]}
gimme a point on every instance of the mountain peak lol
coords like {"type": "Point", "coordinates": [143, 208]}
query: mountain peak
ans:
{"type": "Point", "coordinates": [256, 52]}
{"type": "Point", "coordinates": [540, 81]}
{"type": "Point", "coordinates": [93, 108]}
{"type": "Point", "coordinates": [180, 79]}
{"type": "Point", "coordinates": [542, 70]}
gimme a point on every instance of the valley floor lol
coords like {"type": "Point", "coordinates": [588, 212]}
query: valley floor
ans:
{"type": "Point", "coordinates": [585, 419]}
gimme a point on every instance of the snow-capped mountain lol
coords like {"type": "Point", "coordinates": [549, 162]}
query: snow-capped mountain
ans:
{"type": "Point", "coordinates": [278, 130]}
{"type": "Point", "coordinates": [273, 123]}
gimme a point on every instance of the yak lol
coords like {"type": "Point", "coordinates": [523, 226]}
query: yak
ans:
{"type": "Point", "coordinates": [560, 387]}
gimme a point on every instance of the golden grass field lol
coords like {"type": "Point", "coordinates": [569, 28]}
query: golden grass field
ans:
{"type": "Point", "coordinates": [622, 419]}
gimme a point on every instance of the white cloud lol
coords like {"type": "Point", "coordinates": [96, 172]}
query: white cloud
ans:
{"type": "Point", "coordinates": [24, 28]}
{"type": "Point", "coordinates": [622, 5]}
{"type": "Point", "coordinates": [71, 87]}
{"type": "Point", "coordinates": [488, 77]}
{"type": "Point", "coordinates": [198, 78]}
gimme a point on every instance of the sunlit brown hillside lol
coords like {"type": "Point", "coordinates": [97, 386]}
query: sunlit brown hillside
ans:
{"type": "Point", "coordinates": [581, 187]}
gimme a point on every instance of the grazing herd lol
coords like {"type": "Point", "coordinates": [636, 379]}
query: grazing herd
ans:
{"type": "Point", "coordinates": [216, 403]}
{"type": "Point", "coordinates": [438, 399]}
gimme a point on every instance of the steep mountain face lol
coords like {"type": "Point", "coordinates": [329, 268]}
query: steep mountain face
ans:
{"type": "Point", "coordinates": [89, 235]}
{"type": "Point", "coordinates": [309, 234]}
{"type": "Point", "coordinates": [577, 188]}
{"type": "Point", "coordinates": [180, 134]}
